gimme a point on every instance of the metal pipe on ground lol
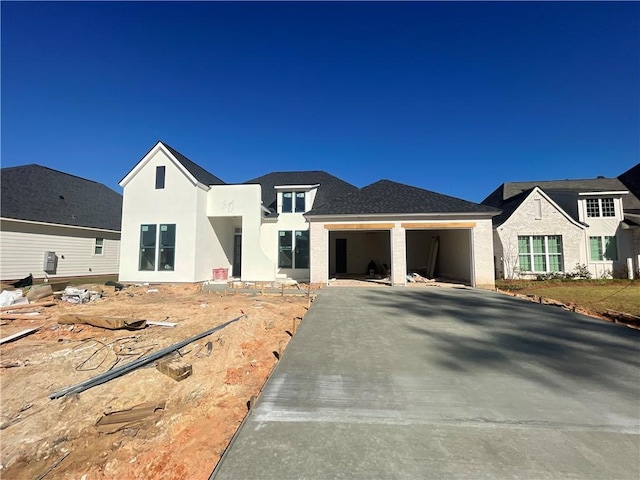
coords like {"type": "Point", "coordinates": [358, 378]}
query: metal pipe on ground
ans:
{"type": "Point", "coordinates": [117, 372]}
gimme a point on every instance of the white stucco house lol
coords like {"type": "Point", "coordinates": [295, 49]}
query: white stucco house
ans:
{"type": "Point", "coordinates": [180, 223]}
{"type": "Point", "coordinates": [54, 225]}
{"type": "Point", "coordinates": [553, 226]}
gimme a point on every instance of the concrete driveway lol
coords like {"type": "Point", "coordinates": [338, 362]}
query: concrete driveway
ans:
{"type": "Point", "coordinates": [436, 383]}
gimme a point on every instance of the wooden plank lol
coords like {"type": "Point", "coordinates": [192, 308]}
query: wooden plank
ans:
{"type": "Point", "coordinates": [175, 368]}
{"type": "Point", "coordinates": [27, 305]}
{"type": "Point", "coordinates": [18, 335]}
{"type": "Point", "coordinates": [26, 316]}
{"type": "Point", "coordinates": [432, 225]}
{"type": "Point", "coordinates": [161, 324]}
{"type": "Point", "coordinates": [359, 226]}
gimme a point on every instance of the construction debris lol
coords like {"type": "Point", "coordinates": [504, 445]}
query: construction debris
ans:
{"type": "Point", "coordinates": [40, 291]}
{"type": "Point", "coordinates": [12, 297]}
{"type": "Point", "coordinates": [417, 278]}
{"type": "Point", "coordinates": [111, 323]}
{"type": "Point", "coordinates": [133, 417]}
{"type": "Point", "coordinates": [161, 324]}
{"type": "Point", "coordinates": [24, 282]}
{"type": "Point", "coordinates": [175, 368]}
{"type": "Point", "coordinates": [80, 295]}
{"type": "Point", "coordinates": [11, 308]}
{"type": "Point", "coordinates": [18, 335]}
{"type": "Point", "coordinates": [129, 367]}
{"type": "Point", "coordinates": [23, 316]}
{"type": "Point", "coordinates": [55, 464]}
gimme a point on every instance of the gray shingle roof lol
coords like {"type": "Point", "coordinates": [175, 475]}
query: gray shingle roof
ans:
{"type": "Point", "coordinates": [41, 194]}
{"type": "Point", "coordinates": [510, 195]}
{"type": "Point", "coordinates": [387, 197]}
{"type": "Point", "coordinates": [330, 186]}
{"type": "Point", "coordinates": [197, 171]}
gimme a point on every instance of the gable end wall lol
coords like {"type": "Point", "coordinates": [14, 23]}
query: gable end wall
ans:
{"type": "Point", "coordinates": [527, 221]}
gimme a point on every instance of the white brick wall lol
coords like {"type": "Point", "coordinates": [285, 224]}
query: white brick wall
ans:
{"type": "Point", "coordinates": [398, 256]}
{"type": "Point", "coordinates": [482, 238]}
{"type": "Point", "coordinates": [526, 220]}
{"type": "Point", "coordinates": [318, 253]}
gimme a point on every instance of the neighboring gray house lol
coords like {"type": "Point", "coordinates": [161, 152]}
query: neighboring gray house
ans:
{"type": "Point", "coordinates": [53, 224]}
{"type": "Point", "coordinates": [553, 226]}
{"type": "Point", "coordinates": [183, 224]}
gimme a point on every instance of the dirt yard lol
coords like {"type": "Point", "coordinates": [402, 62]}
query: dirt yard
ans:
{"type": "Point", "coordinates": [191, 421]}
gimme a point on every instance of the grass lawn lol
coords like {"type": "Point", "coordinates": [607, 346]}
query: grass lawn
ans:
{"type": "Point", "coordinates": [594, 295]}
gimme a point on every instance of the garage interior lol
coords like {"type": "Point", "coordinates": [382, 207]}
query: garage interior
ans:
{"type": "Point", "coordinates": [443, 254]}
{"type": "Point", "coordinates": [351, 252]}
{"type": "Point", "coordinates": [453, 259]}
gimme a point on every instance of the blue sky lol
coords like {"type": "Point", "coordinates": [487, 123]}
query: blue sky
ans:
{"type": "Point", "coordinates": [453, 97]}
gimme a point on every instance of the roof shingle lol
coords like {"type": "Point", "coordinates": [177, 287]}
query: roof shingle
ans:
{"type": "Point", "coordinates": [41, 194]}
{"type": "Point", "coordinates": [330, 186]}
{"type": "Point", "coordinates": [510, 195]}
{"type": "Point", "coordinates": [388, 197]}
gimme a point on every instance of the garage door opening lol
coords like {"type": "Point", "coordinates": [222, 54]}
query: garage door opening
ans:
{"type": "Point", "coordinates": [443, 254]}
{"type": "Point", "coordinates": [360, 254]}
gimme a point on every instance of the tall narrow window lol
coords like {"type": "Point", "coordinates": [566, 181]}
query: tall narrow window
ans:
{"type": "Point", "coordinates": [98, 247]}
{"type": "Point", "coordinates": [166, 261]}
{"type": "Point", "coordinates": [524, 254]}
{"type": "Point", "coordinates": [160, 171]}
{"type": "Point", "coordinates": [287, 202]}
{"type": "Point", "coordinates": [302, 249]}
{"type": "Point", "coordinates": [147, 247]}
{"type": "Point", "coordinates": [285, 251]}
{"type": "Point", "coordinates": [300, 201]}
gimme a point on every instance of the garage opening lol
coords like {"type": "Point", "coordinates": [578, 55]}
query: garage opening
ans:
{"type": "Point", "coordinates": [443, 254]}
{"type": "Point", "coordinates": [359, 254]}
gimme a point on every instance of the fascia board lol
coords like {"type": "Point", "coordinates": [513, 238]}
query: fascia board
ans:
{"type": "Point", "coordinates": [294, 187]}
{"type": "Point", "coordinates": [611, 192]}
{"type": "Point", "coordinates": [390, 216]}
{"type": "Point", "coordinates": [33, 222]}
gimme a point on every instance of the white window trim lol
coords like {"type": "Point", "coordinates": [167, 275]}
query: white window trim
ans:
{"type": "Point", "coordinates": [95, 246]}
{"type": "Point", "coordinates": [293, 201]}
{"type": "Point", "coordinates": [600, 210]}
{"type": "Point", "coordinates": [293, 250]}
{"type": "Point", "coordinates": [604, 260]}
{"type": "Point", "coordinates": [547, 255]}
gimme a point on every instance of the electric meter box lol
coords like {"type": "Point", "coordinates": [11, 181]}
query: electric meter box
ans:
{"type": "Point", "coordinates": [50, 262]}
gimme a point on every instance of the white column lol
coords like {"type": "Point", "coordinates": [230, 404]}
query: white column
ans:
{"type": "Point", "coordinates": [398, 256]}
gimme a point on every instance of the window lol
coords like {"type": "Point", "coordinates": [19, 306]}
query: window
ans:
{"type": "Point", "coordinates": [167, 247]}
{"type": "Point", "coordinates": [540, 253]}
{"type": "Point", "coordinates": [147, 247]}
{"type": "Point", "coordinates": [160, 171]}
{"type": "Point", "coordinates": [600, 207]}
{"type": "Point", "coordinates": [98, 247]}
{"type": "Point", "coordinates": [288, 204]}
{"type": "Point", "coordinates": [302, 249]}
{"type": "Point", "coordinates": [300, 201]}
{"type": "Point", "coordinates": [285, 251]}
{"type": "Point", "coordinates": [603, 248]}
{"type": "Point", "coordinates": [293, 249]}
{"type": "Point", "coordinates": [166, 239]}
